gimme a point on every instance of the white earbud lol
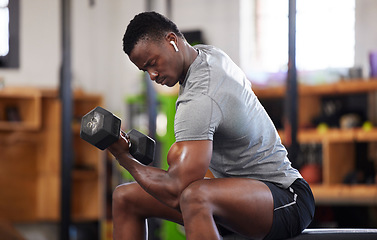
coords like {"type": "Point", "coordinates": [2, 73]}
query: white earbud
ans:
{"type": "Point", "coordinates": [174, 45]}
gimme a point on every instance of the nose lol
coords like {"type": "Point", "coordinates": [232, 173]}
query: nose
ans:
{"type": "Point", "coordinates": [153, 75]}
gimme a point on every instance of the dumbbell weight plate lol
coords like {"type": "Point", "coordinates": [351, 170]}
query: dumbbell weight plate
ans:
{"type": "Point", "coordinates": [100, 128]}
{"type": "Point", "coordinates": [142, 147]}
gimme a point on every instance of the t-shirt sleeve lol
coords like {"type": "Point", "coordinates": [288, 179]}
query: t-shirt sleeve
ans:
{"type": "Point", "coordinates": [196, 119]}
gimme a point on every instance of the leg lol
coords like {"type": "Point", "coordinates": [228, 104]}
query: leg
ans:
{"type": "Point", "coordinates": [242, 205]}
{"type": "Point", "coordinates": [132, 206]}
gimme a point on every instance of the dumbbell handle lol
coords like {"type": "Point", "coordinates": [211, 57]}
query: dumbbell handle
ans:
{"type": "Point", "coordinates": [127, 137]}
{"type": "Point", "coordinates": [141, 146]}
{"type": "Point", "coordinates": [132, 147]}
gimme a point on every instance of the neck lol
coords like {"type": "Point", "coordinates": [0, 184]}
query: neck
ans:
{"type": "Point", "coordinates": [189, 56]}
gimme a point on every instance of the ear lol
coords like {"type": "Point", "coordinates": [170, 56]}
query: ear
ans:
{"type": "Point", "coordinates": [171, 37]}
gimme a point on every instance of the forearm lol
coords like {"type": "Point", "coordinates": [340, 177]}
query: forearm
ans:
{"type": "Point", "coordinates": [157, 182]}
{"type": "Point", "coordinates": [188, 162]}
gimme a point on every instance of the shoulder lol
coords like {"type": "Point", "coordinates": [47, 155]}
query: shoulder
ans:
{"type": "Point", "coordinates": [208, 49]}
{"type": "Point", "coordinates": [209, 66]}
{"type": "Point", "coordinates": [209, 52]}
{"type": "Point", "coordinates": [197, 118]}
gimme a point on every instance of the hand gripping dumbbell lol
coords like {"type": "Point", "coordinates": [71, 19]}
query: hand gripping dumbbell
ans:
{"type": "Point", "coordinates": [101, 128]}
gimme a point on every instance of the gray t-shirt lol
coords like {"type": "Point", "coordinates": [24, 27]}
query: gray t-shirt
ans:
{"type": "Point", "coordinates": [216, 103]}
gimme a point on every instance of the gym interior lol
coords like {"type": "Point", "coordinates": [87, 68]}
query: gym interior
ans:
{"type": "Point", "coordinates": [59, 59]}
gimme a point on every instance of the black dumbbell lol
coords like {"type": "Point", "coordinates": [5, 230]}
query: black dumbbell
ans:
{"type": "Point", "coordinates": [101, 128]}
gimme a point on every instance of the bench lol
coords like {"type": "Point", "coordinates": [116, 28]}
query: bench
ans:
{"type": "Point", "coordinates": [337, 234]}
{"type": "Point", "coordinates": [327, 234]}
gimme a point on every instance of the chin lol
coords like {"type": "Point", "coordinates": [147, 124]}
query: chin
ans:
{"type": "Point", "coordinates": [170, 83]}
{"type": "Point", "coordinates": [173, 84]}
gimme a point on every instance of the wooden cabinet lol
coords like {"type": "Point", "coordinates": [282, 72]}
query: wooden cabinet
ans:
{"type": "Point", "coordinates": [338, 144]}
{"type": "Point", "coordinates": [30, 157]}
{"type": "Point", "coordinates": [20, 109]}
{"type": "Point", "coordinates": [88, 170]}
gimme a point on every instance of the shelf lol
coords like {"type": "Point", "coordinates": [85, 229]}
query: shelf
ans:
{"type": "Point", "coordinates": [345, 194]}
{"type": "Point", "coordinates": [341, 87]}
{"type": "Point", "coordinates": [85, 174]}
{"type": "Point", "coordinates": [20, 126]}
{"type": "Point", "coordinates": [20, 109]}
{"type": "Point", "coordinates": [366, 136]}
{"type": "Point", "coordinates": [337, 135]}
{"type": "Point", "coordinates": [76, 127]}
{"type": "Point", "coordinates": [334, 135]}
{"type": "Point", "coordinates": [269, 92]}
{"type": "Point", "coordinates": [84, 103]}
{"type": "Point", "coordinates": [338, 149]}
{"type": "Point", "coordinates": [330, 135]}
{"type": "Point", "coordinates": [40, 153]}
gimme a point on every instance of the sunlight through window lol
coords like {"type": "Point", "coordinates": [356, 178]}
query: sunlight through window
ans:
{"type": "Point", "coordinates": [325, 35]}
{"type": "Point", "coordinates": [4, 28]}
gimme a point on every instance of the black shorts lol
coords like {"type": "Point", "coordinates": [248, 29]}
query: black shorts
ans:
{"type": "Point", "coordinates": [293, 209]}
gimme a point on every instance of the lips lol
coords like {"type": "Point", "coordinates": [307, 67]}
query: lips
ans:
{"type": "Point", "coordinates": [160, 80]}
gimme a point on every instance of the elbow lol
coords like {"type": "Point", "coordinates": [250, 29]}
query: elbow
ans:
{"type": "Point", "coordinates": [174, 200]}
{"type": "Point", "coordinates": [175, 197]}
{"type": "Point", "coordinates": [174, 203]}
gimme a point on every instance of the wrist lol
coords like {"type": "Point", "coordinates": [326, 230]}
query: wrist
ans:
{"type": "Point", "coordinates": [126, 161]}
{"type": "Point", "coordinates": [122, 156]}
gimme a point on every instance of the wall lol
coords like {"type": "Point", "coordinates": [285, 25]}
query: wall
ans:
{"type": "Point", "coordinates": [218, 20]}
{"type": "Point", "coordinates": [99, 65]}
{"type": "Point", "coordinates": [98, 62]}
{"type": "Point", "coordinates": [366, 33]}
{"type": "Point", "coordinates": [39, 45]}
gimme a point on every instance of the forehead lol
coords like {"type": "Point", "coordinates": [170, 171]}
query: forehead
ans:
{"type": "Point", "coordinates": [144, 50]}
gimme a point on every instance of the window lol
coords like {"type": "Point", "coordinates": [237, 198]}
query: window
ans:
{"type": "Point", "coordinates": [4, 28]}
{"type": "Point", "coordinates": [325, 36]}
{"type": "Point", "coordinates": [9, 31]}
{"type": "Point", "coordinates": [272, 35]}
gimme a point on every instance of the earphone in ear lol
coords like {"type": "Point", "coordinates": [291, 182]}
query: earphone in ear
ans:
{"type": "Point", "coordinates": [174, 45]}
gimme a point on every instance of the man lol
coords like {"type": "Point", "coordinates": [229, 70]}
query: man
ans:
{"type": "Point", "coordinates": [219, 125]}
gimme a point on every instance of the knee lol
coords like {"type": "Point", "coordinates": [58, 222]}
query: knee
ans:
{"type": "Point", "coordinates": [123, 195]}
{"type": "Point", "coordinates": [195, 196]}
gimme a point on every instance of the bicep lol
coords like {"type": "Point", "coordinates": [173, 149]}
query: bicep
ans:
{"type": "Point", "coordinates": [189, 161]}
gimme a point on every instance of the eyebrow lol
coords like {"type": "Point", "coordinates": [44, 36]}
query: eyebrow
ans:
{"type": "Point", "coordinates": [147, 63]}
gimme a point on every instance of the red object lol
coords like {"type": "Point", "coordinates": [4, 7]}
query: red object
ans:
{"type": "Point", "coordinates": [312, 173]}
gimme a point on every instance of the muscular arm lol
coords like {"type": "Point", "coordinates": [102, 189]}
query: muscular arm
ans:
{"type": "Point", "coordinates": [188, 161]}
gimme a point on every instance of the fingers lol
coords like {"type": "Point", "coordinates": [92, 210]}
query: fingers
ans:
{"type": "Point", "coordinates": [123, 133]}
{"type": "Point", "coordinates": [125, 136]}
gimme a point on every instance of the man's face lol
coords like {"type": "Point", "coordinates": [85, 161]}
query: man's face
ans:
{"type": "Point", "coordinates": [159, 59]}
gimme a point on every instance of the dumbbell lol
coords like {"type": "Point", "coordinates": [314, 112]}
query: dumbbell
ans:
{"type": "Point", "coordinates": [101, 128]}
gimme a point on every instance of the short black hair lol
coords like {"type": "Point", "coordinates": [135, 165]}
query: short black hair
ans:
{"type": "Point", "coordinates": [147, 25]}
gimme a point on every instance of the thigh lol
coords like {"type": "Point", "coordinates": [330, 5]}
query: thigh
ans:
{"type": "Point", "coordinates": [293, 209]}
{"type": "Point", "coordinates": [241, 205]}
{"type": "Point", "coordinates": [131, 199]}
